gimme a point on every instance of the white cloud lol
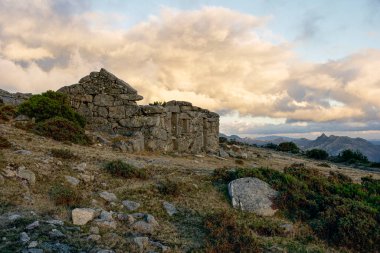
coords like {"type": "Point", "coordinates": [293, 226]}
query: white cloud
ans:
{"type": "Point", "coordinates": [215, 57]}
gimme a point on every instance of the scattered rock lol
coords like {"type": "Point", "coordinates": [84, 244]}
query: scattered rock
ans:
{"type": "Point", "coordinates": [81, 216]}
{"type": "Point", "coordinates": [32, 250]}
{"type": "Point", "coordinates": [223, 153]}
{"type": "Point", "coordinates": [94, 237]}
{"type": "Point", "coordinates": [55, 233]}
{"type": "Point", "coordinates": [33, 244]}
{"type": "Point", "coordinates": [288, 227]}
{"type": "Point", "coordinates": [23, 152]}
{"type": "Point", "coordinates": [24, 237]}
{"type": "Point", "coordinates": [126, 217]}
{"type": "Point", "coordinates": [170, 208]}
{"type": "Point", "coordinates": [33, 225]}
{"type": "Point", "coordinates": [72, 180]}
{"type": "Point", "coordinates": [55, 222]}
{"type": "Point", "coordinates": [80, 167]}
{"type": "Point", "coordinates": [14, 217]}
{"type": "Point", "coordinates": [9, 172]}
{"type": "Point", "coordinates": [108, 196]}
{"type": "Point", "coordinates": [87, 178]}
{"type": "Point", "coordinates": [131, 205]}
{"type": "Point", "coordinates": [28, 175]}
{"type": "Point", "coordinates": [151, 220]}
{"type": "Point", "coordinates": [94, 230]}
{"type": "Point", "coordinates": [141, 242]}
{"type": "Point", "coordinates": [159, 245]}
{"type": "Point", "coordinates": [252, 195]}
{"type": "Point", "coordinates": [143, 227]}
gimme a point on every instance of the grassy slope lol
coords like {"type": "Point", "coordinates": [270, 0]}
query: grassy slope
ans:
{"type": "Point", "coordinates": [198, 197]}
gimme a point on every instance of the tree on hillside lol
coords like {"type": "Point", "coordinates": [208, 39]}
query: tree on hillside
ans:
{"type": "Point", "coordinates": [318, 154]}
{"type": "Point", "coordinates": [288, 147]}
{"type": "Point", "coordinates": [352, 156]}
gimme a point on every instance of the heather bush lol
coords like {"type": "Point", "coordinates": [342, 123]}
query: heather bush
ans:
{"type": "Point", "coordinates": [49, 105]}
{"type": "Point", "coordinates": [288, 147]}
{"type": "Point", "coordinates": [122, 169]}
{"type": "Point", "coordinates": [318, 154]}
{"type": "Point", "coordinates": [339, 211]}
{"type": "Point", "coordinates": [61, 129]}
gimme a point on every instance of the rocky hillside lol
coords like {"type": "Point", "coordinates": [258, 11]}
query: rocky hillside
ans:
{"type": "Point", "coordinates": [332, 144]}
{"type": "Point", "coordinates": [336, 144]}
{"type": "Point", "coordinates": [59, 197]}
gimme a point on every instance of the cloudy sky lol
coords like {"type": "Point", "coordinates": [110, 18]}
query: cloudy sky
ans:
{"type": "Point", "coordinates": [284, 67]}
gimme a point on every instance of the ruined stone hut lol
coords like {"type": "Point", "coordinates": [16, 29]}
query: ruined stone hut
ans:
{"type": "Point", "coordinates": [109, 105]}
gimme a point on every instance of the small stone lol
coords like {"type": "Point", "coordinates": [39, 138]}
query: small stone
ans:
{"type": "Point", "coordinates": [59, 163]}
{"type": "Point", "coordinates": [14, 217]}
{"type": "Point", "coordinates": [23, 152]}
{"type": "Point", "coordinates": [170, 208]}
{"type": "Point", "coordinates": [108, 196]}
{"type": "Point", "coordinates": [28, 175]}
{"type": "Point", "coordinates": [126, 217]}
{"type": "Point", "coordinates": [94, 230]}
{"type": "Point", "coordinates": [33, 244]}
{"type": "Point", "coordinates": [81, 216]}
{"type": "Point", "coordinates": [104, 215]}
{"type": "Point", "coordinates": [94, 237]}
{"type": "Point", "coordinates": [287, 227]}
{"type": "Point", "coordinates": [138, 215]}
{"type": "Point", "coordinates": [72, 180]}
{"type": "Point", "coordinates": [33, 225]}
{"type": "Point", "coordinates": [55, 222]}
{"type": "Point", "coordinates": [131, 205]}
{"type": "Point", "coordinates": [141, 242]}
{"type": "Point", "coordinates": [106, 224]}
{"type": "Point", "coordinates": [105, 251]}
{"type": "Point", "coordinates": [87, 178]}
{"type": "Point", "coordinates": [80, 167]}
{"type": "Point", "coordinates": [55, 233]}
{"type": "Point", "coordinates": [24, 237]}
{"type": "Point", "coordinates": [143, 227]}
{"type": "Point", "coordinates": [151, 220]}
{"type": "Point", "coordinates": [9, 172]}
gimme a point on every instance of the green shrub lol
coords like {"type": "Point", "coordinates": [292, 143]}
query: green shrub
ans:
{"type": "Point", "coordinates": [61, 129]}
{"type": "Point", "coordinates": [49, 105]}
{"type": "Point", "coordinates": [122, 169]}
{"type": "Point", "coordinates": [7, 112]}
{"type": "Point", "coordinates": [4, 143]}
{"type": "Point", "coordinates": [318, 154]}
{"type": "Point", "coordinates": [271, 146]}
{"type": "Point", "coordinates": [224, 234]}
{"type": "Point", "coordinates": [339, 211]}
{"type": "Point", "coordinates": [350, 156]}
{"type": "Point", "coordinates": [63, 153]}
{"type": "Point", "coordinates": [288, 147]}
{"type": "Point", "coordinates": [170, 187]}
{"type": "Point", "coordinates": [65, 196]}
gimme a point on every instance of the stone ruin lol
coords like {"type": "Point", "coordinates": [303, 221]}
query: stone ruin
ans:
{"type": "Point", "coordinates": [109, 105]}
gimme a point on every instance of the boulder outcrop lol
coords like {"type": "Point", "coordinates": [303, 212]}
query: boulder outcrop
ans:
{"type": "Point", "coordinates": [109, 104]}
{"type": "Point", "coordinates": [252, 195]}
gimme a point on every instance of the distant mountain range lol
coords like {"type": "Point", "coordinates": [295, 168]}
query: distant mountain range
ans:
{"type": "Point", "coordinates": [332, 144]}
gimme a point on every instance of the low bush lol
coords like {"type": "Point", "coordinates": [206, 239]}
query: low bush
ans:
{"type": "Point", "coordinates": [61, 129]}
{"type": "Point", "coordinates": [122, 169]}
{"type": "Point", "coordinates": [65, 196]}
{"type": "Point", "coordinates": [271, 146]}
{"type": "Point", "coordinates": [170, 187]}
{"type": "Point", "coordinates": [4, 143]}
{"type": "Point", "coordinates": [339, 211]}
{"type": "Point", "coordinates": [7, 112]}
{"type": "Point", "coordinates": [63, 154]}
{"type": "Point", "coordinates": [49, 105]}
{"type": "Point", "coordinates": [350, 156]}
{"type": "Point", "coordinates": [318, 154]}
{"type": "Point", "coordinates": [288, 147]}
{"type": "Point", "coordinates": [224, 234]}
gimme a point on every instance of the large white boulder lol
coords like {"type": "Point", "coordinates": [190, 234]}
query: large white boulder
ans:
{"type": "Point", "coordinates": [252, 195]}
